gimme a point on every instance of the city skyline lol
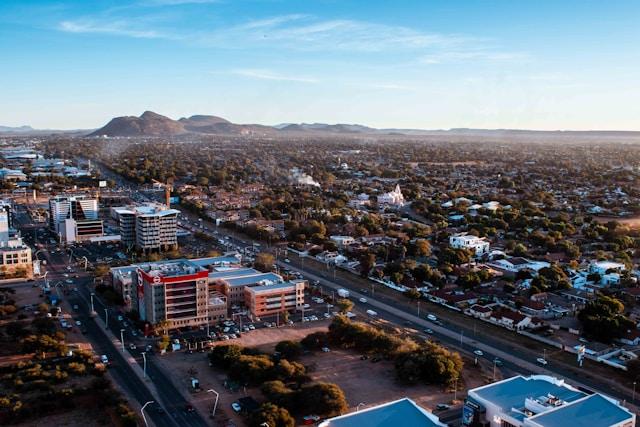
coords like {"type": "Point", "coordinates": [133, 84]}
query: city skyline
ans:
{"type": "Point", "coordinates": [428, 65]}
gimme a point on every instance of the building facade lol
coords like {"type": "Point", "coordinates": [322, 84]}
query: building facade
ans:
{"type": "Point", "coordinates": [75, 218]}
{"type": "Point", "coordinates": [148, 228]}
{"type": "Point", "coordinates": [277, 298]}
{"type": "Point", "coordinates": [478, 245]}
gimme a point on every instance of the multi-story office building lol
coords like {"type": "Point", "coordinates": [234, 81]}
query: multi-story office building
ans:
{"type": "Point", "coordinates": [15, 255]}
{"type": "Point", "coordinates": [75, 218]}
{"type": "Point", "coordinates": [194, 292]}
{"type": "Point", "coordinates": [149, 227]}
{"type": "Point", "coordinates": [272, 299]}
{"type": "Point", "coordinates": [541, 401]}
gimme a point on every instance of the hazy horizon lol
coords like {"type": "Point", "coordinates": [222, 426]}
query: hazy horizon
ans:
{"type": "Point", "coordinates": [546, 65]}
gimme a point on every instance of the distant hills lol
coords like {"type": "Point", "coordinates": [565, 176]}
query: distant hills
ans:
{"type": "Point", "coordinates": [151, 124]}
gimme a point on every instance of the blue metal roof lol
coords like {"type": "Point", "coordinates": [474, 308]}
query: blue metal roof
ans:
{"type": "Point", "coordinates": [400, 413]}
{"type": "Point", "coordinates": [254, 278]}
{"type": "Point", "coordinates": [593, 411]}
{"type": "Point", "coordinates": [512, 393]}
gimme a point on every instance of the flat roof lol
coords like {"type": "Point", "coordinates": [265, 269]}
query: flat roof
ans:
{"type": "Point", "coordinates": [511, 393]}
{"type": "Point", "coordinates": [591, 411]}
{"type": "Point", "coordinates": [254, 278]}
{"type": "Point", "coordinates": [276, 286]}
{"type": "Point", "coordinates": [399, 413]}
{"type": "Point", "coordinates": [238, 272]}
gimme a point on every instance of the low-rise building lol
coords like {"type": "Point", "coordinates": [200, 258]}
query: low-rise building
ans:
{"type": "Point", "coordinates": [403, 412]}
{"type": "Point", "coordinates": [277, 298]}
{"type": "Point", "coordinates": [541, 401]}
{"type": "Point", "coordinates": [479, 245]}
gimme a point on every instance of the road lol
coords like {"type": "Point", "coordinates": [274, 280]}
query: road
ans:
{"type": "Point", "coordinates": [63, 278]}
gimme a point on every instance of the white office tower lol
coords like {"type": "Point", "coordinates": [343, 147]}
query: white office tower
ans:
{"type": "Point", "coordinates": [148, 227]}
{"type": "Point", "coordinates": [75, 218]}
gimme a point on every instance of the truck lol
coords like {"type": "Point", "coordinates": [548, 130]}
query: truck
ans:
{"type": "Point", "coordinates": [343, 293]}
{"type": "Point", "coordinates": [372, 313]}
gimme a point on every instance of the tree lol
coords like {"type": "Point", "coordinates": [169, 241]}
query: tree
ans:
{"type": "Point", "coordinates": [367, 262]}
{"type": "Point", "coordinates": [413, 294]}
{"type": "Point", "coordinates": [289, 349]}
{"type": "Point", "coordinates": [603, 319]}
{"type": "Point", "coordinates": [271, 415]}
{"type": "Point", "coordinates": [430, 364]}
{"type": "Point", "coordinates": [315, 340]}
{"type": "Point", "coordinates": [326, 399]}
{"type": "Point", "coordinates": [422, 248]}
{"type": "Point", "coordinates": [264, 261]}
{"type": "Point", "coordinates": [344, 305]}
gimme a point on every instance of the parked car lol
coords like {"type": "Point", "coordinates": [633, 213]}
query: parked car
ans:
{"type": "Point", "coordinates": [237, 408]}
{"type": "Point", "coordinates": [542, 361]}
{"type": "Point", "coordinates": [363, 300]}
{"type": "Point", "coordinates": [442, 406]}
{"type": "Point", "coordinates": [325, 349]}
{"type": "Point", "coordinates": [478, 353]}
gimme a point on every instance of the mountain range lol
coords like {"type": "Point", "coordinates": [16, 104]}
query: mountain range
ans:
{"type": "Point", "coordinates": [151, 124]}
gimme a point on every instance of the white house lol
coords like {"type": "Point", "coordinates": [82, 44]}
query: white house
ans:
{"type": "Point", "coordinates": [515, 264]}
{"type": "Point", "coordinates": [602, 267]}
{"type": "Point", "coordinates": [479, 245]}
{"type": "Point", "coordinates": [342, 241]}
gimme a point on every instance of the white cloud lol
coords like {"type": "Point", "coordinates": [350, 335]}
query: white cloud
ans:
{"type": "Point", "coordinates": [261, 74]}
{"type": "Point", "coordinates": [118, 28]}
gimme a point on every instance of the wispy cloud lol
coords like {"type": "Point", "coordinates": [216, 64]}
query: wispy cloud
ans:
{"type": "Point", "coordinates": [176, 2]}
{"type": "Point", "coordinates": [261, 74]}
{"type": "Point", "coordinates": [303, 32]}
{"type": "Point", "coordinates": [300, 32]}
{"type": "Point", "coordinates": [117, 28]}
{"type": "Point", "coordinates": [473, 54]}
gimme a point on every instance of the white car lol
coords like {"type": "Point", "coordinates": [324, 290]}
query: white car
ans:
{"type": "Point", "coordinates": [236, 407]}
{"type": "Point", "coordinates": [104, 359]}
{"type": "Point", "coordinates": [363, 300]}
{"type": "Point", "coordinates": [326, 315]}
{"type": "Point", "coordinates": [78, 323]}
{"type": "Point", "coordinates": [325, 349]}
{"type": "Point", "coordinates": [478, 353]}
{"type": "Point", "coordinates": [542, 361]}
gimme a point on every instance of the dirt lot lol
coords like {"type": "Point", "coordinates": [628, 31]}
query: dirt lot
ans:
{"type": "Point", "coordinates": [362, 381]}
{"type": "Point", "coordinates": [631, 222]}
{"type": "Point", "coordinates": [182, 366]}
{"type": "Point", "coordinates": [373, 383]}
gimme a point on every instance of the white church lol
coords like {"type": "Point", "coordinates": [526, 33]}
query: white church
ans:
{"type": "Point", "coordinates": [393, 198]}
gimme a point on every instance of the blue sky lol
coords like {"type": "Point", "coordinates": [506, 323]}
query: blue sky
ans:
{"type": "Point", "coordinates": [537, 64]}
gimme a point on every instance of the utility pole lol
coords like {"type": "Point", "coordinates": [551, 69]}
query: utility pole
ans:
{"type": "Point", "coordinates": [122, 339]}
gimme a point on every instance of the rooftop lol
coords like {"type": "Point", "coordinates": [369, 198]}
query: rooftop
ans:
{"type": "Point", "coordinates": [591, 411]}
{"type": "Point", "coordinates": [403, 412]}
{"type": "Point", "coordinates": [512, 392]}
{"type": "Point", "coordinates": [274, 287]}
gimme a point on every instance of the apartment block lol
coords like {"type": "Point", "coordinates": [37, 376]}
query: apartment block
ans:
{"type": "Point", "coordinates": [75, 218]}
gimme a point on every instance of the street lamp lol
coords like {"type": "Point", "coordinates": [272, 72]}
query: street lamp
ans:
{"type": "Point", "coordinates": [92, 310]}
{"type": "Point", "coordinates": [122, 338]}
{"type": "Point", "coordinates": [633, 396]}
{"type": "Point", "coordinates": [215, 405]}
{"type": "Point", "coordinates": [144, 364]}
{"type": "Point", "coordinates": [106, 318]}
{"type": "Point", "coordinates": [142, 412]}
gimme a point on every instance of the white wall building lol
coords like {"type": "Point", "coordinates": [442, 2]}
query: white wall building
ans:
{"type": "Point", "coordinates": [541, 401]}
{"type": "Point", "coordinates": [75, 218]}
{"type": "Point", "coordinates": [478, 245]}
{"type": "Point", "coordinates": [148, 227]}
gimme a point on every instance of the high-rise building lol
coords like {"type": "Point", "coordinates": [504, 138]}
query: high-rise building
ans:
{"type": "Point", "coordinates": [75, 218]}
{"type": "Point", "coordinates": [148, 227]}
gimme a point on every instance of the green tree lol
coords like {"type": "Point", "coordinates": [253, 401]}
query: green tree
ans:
{"type": "Point", "coordinates": [264, 261]}
{"type": "Point", "coordinates": [325, 399]}
{"type": "Point", "coordinates": [289, 349]}
{"type": "Point", "coordinates": [344, 305]}
{"type": "Point", "coordinates": [603, 319]}
{"type": "Point", "coordinates": [272, 416]}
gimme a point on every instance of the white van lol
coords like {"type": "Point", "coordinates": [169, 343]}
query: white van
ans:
{"type": "Point", "coordinates": [371, 313]}
{"type": "Point", "coordinates": [431, 317]}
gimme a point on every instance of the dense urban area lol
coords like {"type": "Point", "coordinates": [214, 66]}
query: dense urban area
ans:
{"type": "Point", "coordinates": [320, 279]}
